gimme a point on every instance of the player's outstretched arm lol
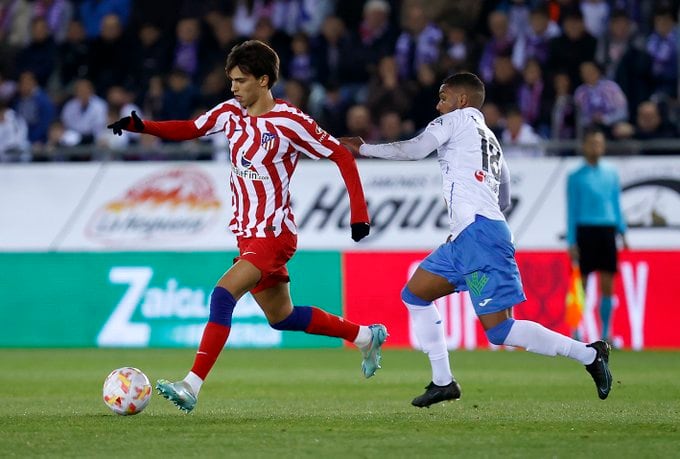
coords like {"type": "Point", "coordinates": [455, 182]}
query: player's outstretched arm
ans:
{"type": "Point", "coordinates": [169, 130]}
{"type": "Point", "coordinates": [408, 150]}
{"type": "Point", "coordinates": [359, 220]}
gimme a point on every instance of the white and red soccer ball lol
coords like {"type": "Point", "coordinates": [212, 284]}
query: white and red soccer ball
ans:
{"type": "Point", "coordinates": [127, 391]}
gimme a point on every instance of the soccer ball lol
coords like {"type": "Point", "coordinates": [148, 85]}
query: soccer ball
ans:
{"type": "Point", "coordinates": [127, 391]}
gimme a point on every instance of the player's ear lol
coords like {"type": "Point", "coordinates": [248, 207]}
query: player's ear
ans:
{"type": "Point", "coordinates": [263, 80]}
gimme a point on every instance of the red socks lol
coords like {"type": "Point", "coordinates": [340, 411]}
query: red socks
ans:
{"type": "Point", "coordinates": [323, 323]}
{"type": "Point", "coordinates": [213, 341]}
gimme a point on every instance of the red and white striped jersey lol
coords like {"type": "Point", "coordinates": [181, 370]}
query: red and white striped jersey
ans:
{"type": "Point", "coordinates": [263, 152]}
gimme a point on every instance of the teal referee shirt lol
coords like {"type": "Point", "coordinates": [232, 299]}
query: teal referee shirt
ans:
{"type": "Point", "coordinates": [593, 198]}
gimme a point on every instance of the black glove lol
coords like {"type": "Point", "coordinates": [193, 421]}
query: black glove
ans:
{"type": "Point", "coordinates": [128, 123]}
{"type": "Point", "coordinates": [360, 230]}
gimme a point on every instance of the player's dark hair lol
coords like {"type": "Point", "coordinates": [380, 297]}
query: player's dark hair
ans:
{"type": "Point", "coordinates": [471, 83]}
{"type": "Point", "coordinates": [255, 58]}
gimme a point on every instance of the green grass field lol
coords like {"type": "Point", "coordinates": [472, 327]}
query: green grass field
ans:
{"type": "Point", "coordinates": [315, 403]}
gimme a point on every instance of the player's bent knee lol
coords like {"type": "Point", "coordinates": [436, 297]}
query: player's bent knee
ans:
{"type": "Point", "coordinates": [497, 334]}
{"type": "Point", "coordinates": [409, 297]}
{"type": "Point", "coordinates": [222, 305]}
{"type": "Point", "coordinates": [298, 320]}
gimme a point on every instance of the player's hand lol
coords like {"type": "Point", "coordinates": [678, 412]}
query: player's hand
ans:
{"type": "Point", "coordinates": [360, 230]}
{"type": "Point", "coordinates": [352, 143]}
{"type": "Point", "coordinates": [127, 123]}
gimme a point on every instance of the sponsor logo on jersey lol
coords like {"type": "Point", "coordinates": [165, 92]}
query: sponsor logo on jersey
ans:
{"type": "Point", "coordinates": [480, 175]}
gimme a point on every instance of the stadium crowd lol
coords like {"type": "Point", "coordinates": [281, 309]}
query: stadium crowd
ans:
{"type": "Point", "coordinates": [360, 67]}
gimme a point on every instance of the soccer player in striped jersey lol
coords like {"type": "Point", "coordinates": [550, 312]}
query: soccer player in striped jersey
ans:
{"type": "Point", "coordinates": [265, 138]}
{"type": "Point", "coordinates": [479, 255]}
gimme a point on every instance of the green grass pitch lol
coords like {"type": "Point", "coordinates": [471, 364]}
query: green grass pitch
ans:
{"type": "Point", "coordinates": [316, 404]}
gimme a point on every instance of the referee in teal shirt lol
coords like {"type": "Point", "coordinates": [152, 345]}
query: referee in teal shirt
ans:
{"type": "Point", "coordinates": [594, 218]}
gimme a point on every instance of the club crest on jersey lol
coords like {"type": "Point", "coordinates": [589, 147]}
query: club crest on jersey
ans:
{"type": "Point", "coordinates": [268, 140]}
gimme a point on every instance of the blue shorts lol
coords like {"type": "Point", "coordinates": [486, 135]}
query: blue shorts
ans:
{"type": "Point", "coordinates": [481, 260]}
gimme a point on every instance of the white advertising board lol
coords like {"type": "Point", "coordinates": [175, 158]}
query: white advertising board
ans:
{"type": "Point", "coordinates": [187, 206]}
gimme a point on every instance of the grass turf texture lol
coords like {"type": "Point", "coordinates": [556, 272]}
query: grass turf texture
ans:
{"type": "Point", "coordinates": [315, 403]}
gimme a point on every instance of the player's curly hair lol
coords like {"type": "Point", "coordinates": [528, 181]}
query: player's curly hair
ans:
{"type": "Point", "coordinates": [470, 82]}
{"type": "Point", "coordinates": [255, 58]}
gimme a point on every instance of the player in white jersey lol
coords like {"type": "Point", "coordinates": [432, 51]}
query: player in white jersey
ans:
{"type": "Point", "coordinates": [265, 138]}
{"type": "Point", "coordinates": [479, 255]}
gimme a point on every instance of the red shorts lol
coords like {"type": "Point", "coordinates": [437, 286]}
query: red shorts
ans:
{"type": "Point", "coordinates": [269, 255]}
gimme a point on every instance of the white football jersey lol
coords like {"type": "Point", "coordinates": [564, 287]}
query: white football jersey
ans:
{"type": "Point", "coordinates": [471, 161]}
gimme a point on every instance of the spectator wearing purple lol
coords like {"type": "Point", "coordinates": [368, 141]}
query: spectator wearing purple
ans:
{"type": "Point", "coordinates": [563, 113]}
{"type": "Point", "coordinates": [34, 106]}
{"type": "Point", "coordinates": [92, 13]}
{"type": "Point", "coordinates": [500, 43]}
{"type": "Point", "coordinates": [573, 47]}
{"type": "Point", "coordinates": [662, 45]}
{"type": "Point", "coordinates": [518, 12]}
{"type": "Point", "coordinates": [39, 56]}
{"type": "Point", "coordinates": [418, 44]}
{"type": "Point", "coordinates": [599, 101]}
{"type": "Point", "coordinates": [300, 64]}
{"type": "Point", "coordinates": [85, 113]}
{"type": "Point", "coordinates": [292, 16]}
{"type": "Point", "coordinates": [188, 47]}
{"type": "Point", "coordinates": [57, 14]}
{"type": "Point", "coordinates": [15, 22]}
{"type": "Point", "coordinates": [534, 43]}
{"type": "Point", "coordinates": [533, 98]}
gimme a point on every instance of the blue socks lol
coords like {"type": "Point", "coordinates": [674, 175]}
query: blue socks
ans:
{"type": "Point", "coordinates": [298, 320]}
{"type": "Point", "coordinates": [606, 315]}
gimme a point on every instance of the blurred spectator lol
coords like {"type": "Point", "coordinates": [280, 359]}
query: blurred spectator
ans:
{"type": "Point", "coordinates": [265, 32]}
{"type": "Point", "coordinates": [596, 15]}
{"type": "Point", "coordinates": [534, 43]}
{"type": "Point", "coordinates": [293, 16]}
{"type": "Point", "coordinates": [360, 124]}
{"type": "Point", "coordinates": [300, 64]}
{"type": "Point", "coordinates": [461, 52]}
{"type": "Point", "coordinates": [662, 45]}
{"type": "Point", "coordinates": [15, 22]}
{"type": "Point", "coordinates": [621, 52]}
{"type": "Point", "coordinates": [573, 47]}
{"type": "Point", "coordinates": [391, 128]}
{"type": "Point", "coordinates": [247, 15]}
{"type": "Point", "coordinates": [500, 44]}
{"type": "Point", "coordinates": [503, 88]}
{"type": "Point", "coordinates": [518, 138]}
{"type": "Point", "coordinates": [121, 102]}
{"type": "Point", "coordinates": [599, 101]}
{"type": "Point", "coordinates": [14, 145]}
{"type": "Point", "coordinates": [296, 93]}
{"type": "Point", "coordinates": [418, 44]}
{"type": "Point", "coordinates": [107, 140]}
{"type": "Point", "coordinates": [57, 14]}
{"type": "Point", "coordinates": [651, 125]}
{"type": "Point", "coordinates": [179, 97]}
{"type": "Point", "coordinates": [59, 139]}
{"type": "Point", "coordinates": [377, 34]}
{"type": "Point", "coordinates": [73, 55]}
{"type": "Point", "coordinates": [518, 12]}
{"type": "Point", "coordinates": [333, 113]}
{"type": "Point", "coordinates": [191, 48]}
{"type": "Point", "coordinates": [163, 14]}
{"type": "Point", "coordinates": [493, 118]}
{"type": "Point", "coordinates": [533, 98]}
{"type": "Point", "coordinates": [111, 57]}
{"type": "Point", "coordinates": [85, 113]}
{"type": "Point", "coordinates": [39, 56]}
{"type": "Point", "coordinates": [426, 96]}
{"type": "Point", "coordinates": [339, 59]}
{"type": "Point", "coordinates": [385, 92]}
{"type": "Point", "coordinates": [93, 12]}
{"type": "Point", "coordinates": [214, 89]}
{"type": "Point", "coordinates": [153, 54]}
{"type": "Point", "coordinates": [34, 106]}
{"type": "Point", "coordinates": [8, 88]}
{"type": "Point", "coordinates": [225, 36]}
{"type": "Point", "coordinates": [153, 98]}
{"type": "Point", "coordinates": [563, 115]}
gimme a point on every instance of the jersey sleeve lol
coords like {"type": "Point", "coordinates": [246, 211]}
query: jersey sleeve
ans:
{"type": "Point", "coordinates": [308, 137]}
{"type": "Point", "coordinates": [215, 119]}
{"type": "Point", "coordinates": [441, 129]}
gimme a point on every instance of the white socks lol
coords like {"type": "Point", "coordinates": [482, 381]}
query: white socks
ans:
{"type": "Point", "coordinates": [429, 330]}
{"type": "Point", "coordinates": [194, 381]}
{"type": "Point", "coordinates": [363, 338]}
{"type": "Point", "coordinates": [536, 338]}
